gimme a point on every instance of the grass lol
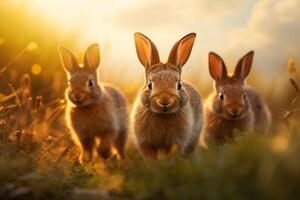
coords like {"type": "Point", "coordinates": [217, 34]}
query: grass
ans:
{"type": "Point", "coordinates": [257, 166]}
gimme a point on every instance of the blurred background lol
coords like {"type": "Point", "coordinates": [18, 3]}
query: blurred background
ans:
{"type": "Point", "coordinates": [230, 28]}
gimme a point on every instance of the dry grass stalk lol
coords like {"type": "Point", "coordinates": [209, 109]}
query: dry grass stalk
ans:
{"type": "Point", "coordinates": [64, 153]}
{"type": "Point", "coordinates": [286, 115]}
{"type": "Point", "coordinates": [38, 103]}
{"type": "Point", "coordinates": [55, 144]}
{"type": "Point", "coordinates": [295, 85]}
{"type": "Point", "coordinates": [292, 68]}
{"type": "Point", "coordinates": [18, 101]}
{"type": "Point", "coordinates": [18, 137]}
{"type": "Point", "coordinates": [30, 47]}
{"type": "Point", "coordinates": [5, 111]}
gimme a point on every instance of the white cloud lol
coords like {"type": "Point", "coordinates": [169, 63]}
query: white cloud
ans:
{"type": "Point", "coordinates": [162, 13]}
{"type": "Point", "coordinates": [272, 31]}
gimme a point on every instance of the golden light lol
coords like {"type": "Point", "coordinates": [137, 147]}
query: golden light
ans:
{"type": "Point", "coordinates": [58, 12]}
{"type": "Point", "coordinates": [73, 15]}
{"type": "Point", "coordinates": [91, 18]}
{"type": "Point", "coordinates": [280, 144]}
{"type": "Point", "coordinates": [2, 41]}
{"type": "Point", "coordinates": [91, 22]}
{"type": "Point", "coordinates": [32, 46]}
{"type": "Point", "coordinates": [36, 69]}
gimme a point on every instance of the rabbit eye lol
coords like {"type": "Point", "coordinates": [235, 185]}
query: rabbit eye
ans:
{"type": "Point", "coordinates": [149, 85]}
{"type": "Point", "coordinates": [221, 96]}
{"type": "Point", "coordinates": [179, 85]}
{"type": "Point", "coordinates": [91, 82]}
{"type": "Point", "coordinates": [244, 96]}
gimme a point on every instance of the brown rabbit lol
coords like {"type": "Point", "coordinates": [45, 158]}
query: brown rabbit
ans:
{"type": "Point", "coordinates": [94, 111]}
{"type": "Point", "coordinates": [167, 112]}
{"type": "Point", "coordinates": [233, 105]}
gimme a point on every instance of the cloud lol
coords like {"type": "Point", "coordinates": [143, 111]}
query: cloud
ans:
{"type": "Point", "coordinates": [162, 13]}
{"type": "Point", "coordinates": [272, 31]}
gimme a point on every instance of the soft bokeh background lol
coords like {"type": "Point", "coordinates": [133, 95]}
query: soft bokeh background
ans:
{"type": "Point", "coordinates": [230, 28]}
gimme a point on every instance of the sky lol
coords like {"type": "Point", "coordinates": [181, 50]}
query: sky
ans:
{"type": "Point", "coordinates": [230, 28]}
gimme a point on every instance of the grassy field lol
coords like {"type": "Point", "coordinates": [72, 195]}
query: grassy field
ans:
{"type": "Point", "coordinates": [255, 167]}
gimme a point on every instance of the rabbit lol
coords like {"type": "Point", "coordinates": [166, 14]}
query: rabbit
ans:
{"type": "Point", "coordinates": [94, 111]}
{"type": "Point", "coordinates": [232, 105]}
{"type": "Point", "coordinates": [167, 112]}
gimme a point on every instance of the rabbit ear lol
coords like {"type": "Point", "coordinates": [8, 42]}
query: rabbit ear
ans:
{"type": "Point", "coordinates": [243, 67]}
{"type": "Point", "coordinates": [92, 56]}
{"type": "Point", "coordinates": [182, 49]}
{"type": "Point", "coordinates": [68, 60]}
{"type": "Point", "coordinates": [217, 68]}
{"type": "Point", "coordinates": [146, 50]}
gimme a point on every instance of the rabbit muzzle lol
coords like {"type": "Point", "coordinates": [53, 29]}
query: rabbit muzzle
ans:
{"type": "Point", "coordinates": [77, 97]}
{"type": "Point", "coordinates": [164, 103]}
{"type": "Point", "coordinates": [234, 111]}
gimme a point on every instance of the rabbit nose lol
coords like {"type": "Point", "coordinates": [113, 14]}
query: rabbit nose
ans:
{"type": "Point", "coordinates": [77, 97]}
{"type": "Point", "coordinates": [236, 111]}
{"type": "Point", "coordinates": [165, 103]}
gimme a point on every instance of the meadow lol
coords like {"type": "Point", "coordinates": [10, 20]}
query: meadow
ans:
{"type": "Point", "coordinates": [38, 159]}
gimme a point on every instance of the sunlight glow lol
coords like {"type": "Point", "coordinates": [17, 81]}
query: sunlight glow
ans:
{"type": "Point", "coordinates": [2, 41]}
{"type": "Point", "coordinates": [91, 20]}
{"type": "Point", "coordinates": [36, 69]}
{"type": "Point", "coordinates": [32, 46]}
{"type": "Point", "coordinates": [63, 13]}
{"type": "Point", "coordinates": [70, 15]}
{"type": "Point", "coordinates": [280, 144]}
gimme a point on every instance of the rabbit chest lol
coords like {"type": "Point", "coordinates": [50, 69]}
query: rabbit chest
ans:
{"type": "Point", "coordinates": [92, 120]}
{"type": "Point", "coordinates": [162, 130]}
{"type": "Point", "coordinates": [221, 128]}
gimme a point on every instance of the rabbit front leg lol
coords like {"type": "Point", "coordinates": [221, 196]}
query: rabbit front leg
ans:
{"type": "Point", "coordinates": [104, 148]}
{"type": "Point", "coordinates": [149, 152]}
{"type": "Point", "coordinates": [86, 149]}
{"type": "Point", "coordinates": [120, 143]}
{"type": "Point", "coordinates": [190, 148]}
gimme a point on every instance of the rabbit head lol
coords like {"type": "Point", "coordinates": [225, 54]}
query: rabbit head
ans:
{"type": "Point", "coordinates": [231, 100]}
{"type": "Point", "coordinates": [83, 88]}
{"type": "Point", "coordinates": [164, 92]}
